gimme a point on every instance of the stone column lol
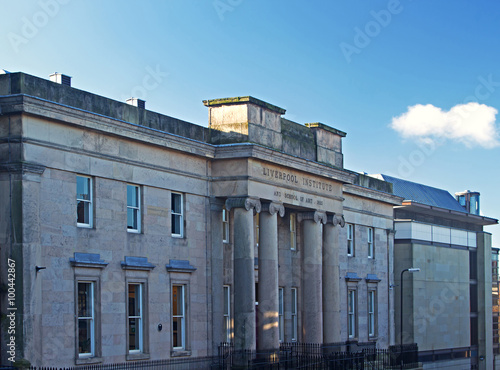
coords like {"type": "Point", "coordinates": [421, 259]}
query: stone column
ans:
{"type": "Point", "coordinates": [312, 306]}
{"type": "Point", "coordinates": [217, 273]}
{"type": "Point", "coordinates": [244, 278]}
{"type": "Point", "coordinates": [331, 283]}
{"type": "Point", "coordinates": [268, 330]}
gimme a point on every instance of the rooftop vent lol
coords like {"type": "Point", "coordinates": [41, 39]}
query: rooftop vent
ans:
{"type": "Point", "coordinates": [137, 102]}
{"type": "Point", "coordinates": [60, 79]}
{"type": "Point", "coordinates": [469, 200]}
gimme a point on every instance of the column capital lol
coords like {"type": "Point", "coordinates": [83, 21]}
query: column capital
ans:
{"type": "Point", "coordinates": [244, 202]}
{"type": "Point", "coordinates": [216, 204]}
{"type": "Point", "coordinates": [273, 208]}
{"type": "Point", "coordinates": [316, 216]}
{"type": "Point", "coordinates": [335, 219]}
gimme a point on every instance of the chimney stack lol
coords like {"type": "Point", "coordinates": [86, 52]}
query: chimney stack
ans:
{"type": "Point", "coordinates": [139, 103]}
{"type": "Point", "coordinates": [60, 79]}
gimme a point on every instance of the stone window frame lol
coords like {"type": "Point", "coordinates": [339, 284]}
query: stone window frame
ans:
{"type": "Point", "coordinates": [143, 353]}
{"type": "Point", "coordinates": [281, 314]}
{"type": "Point", "coordinates": [177, 214]}
{"type": "Point", "coordinates": [90, 202]}
{"type": "Point", "coordinates": [370, 237]}
{"type": "Point", "coordinates": [225, 225]}
{"type": "Point", "coordinates": [96, 356]}
{"type": "Point", "coordinates": [351, 231]}
{"type": "Point", "coordinates": [136, 209]}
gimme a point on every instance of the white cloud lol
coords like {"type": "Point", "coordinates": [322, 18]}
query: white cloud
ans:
{"type": "Point", "coordinates": [471, 124]}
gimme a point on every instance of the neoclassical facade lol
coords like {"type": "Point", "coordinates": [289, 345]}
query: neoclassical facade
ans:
{"type": "Point", "coordinates": [138, 236]}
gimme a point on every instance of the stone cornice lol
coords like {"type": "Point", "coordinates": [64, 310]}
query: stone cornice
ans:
{"type": "Point", "coordinates": [372, 194]}
{"type": "Point", "coordinates": [93, 121]}
{"type": "Point", "coordinates": [251, 150]}
{"type": "Point", "coordinates": [22, 167]}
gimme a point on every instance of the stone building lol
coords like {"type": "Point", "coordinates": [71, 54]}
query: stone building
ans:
{"type": "Point", "coordinates": [447, 305]}
{"type": "Point", "coordinates": [138, 236]}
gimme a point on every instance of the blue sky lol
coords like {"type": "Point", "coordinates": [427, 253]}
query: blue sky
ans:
{"type": "Point", "coordinates": [355, 65]}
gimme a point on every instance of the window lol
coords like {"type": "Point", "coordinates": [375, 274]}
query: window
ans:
{"type": "Point", "coordinates": [83, 201]}
{"type": "Point", "coordinates": [293, 231]}
{"type": "Point", "coordinates": [256, 222]}
{"type": "Point", "coordinates": [177, 215]}
{"type": "Point", "coordinates": [372, 317]}
{"type": "Point", "coordinates": [350, 240]}
{"type": "Point", "coordinates": [370, 242]}
{"type": "Point", "coordinates": [294, 314]}
{"type": "Point", "coordinates": [86, 320]}
{"type": "Point", "coordinates": [227, 313]}
{"type": "Point", "coordinates": [225, 225]}
{"type": "Point", "coordinates": [281, 321]}
{"type": "Point", "coordinates": [135, 318]}
{"type": "Point", "coordinates": [133, 209]}
{"type": "Point", "coordinates": [351, 312]}
{"type": "Point", "coordinates": [178, 317]}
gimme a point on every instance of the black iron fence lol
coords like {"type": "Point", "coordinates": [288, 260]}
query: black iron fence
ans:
{"type": "Point", "coordinates": [341, 356]}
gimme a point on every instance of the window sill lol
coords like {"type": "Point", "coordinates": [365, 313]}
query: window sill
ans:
{"type": "Point", "coordinates": [84, 226]}
{"type": "Point", "coordinates": [133, 231]}
{"type": "Point", "coordinates": [137, 356]}
{"type": "Point", "coordinates": [88, 360]}
{"type": "Point", "coordinates": [180, 353]}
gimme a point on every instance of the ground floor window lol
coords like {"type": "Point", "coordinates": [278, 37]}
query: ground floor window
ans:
{"type": "Point", "coordinates": [294, 315]}
{"type": "Point", "coordinates": [352, 313]}
{"type": "Point", "coordinates": [135, 318]}
{"type": "Point", "coordinates": [227, 313]}
{"type": "Point", "coordinates": [178, 317]}
{"type": "Point", "coordinates": [86, 319]}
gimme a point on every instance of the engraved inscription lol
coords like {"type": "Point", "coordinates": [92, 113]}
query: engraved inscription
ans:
{"type": "Point", "coordinates": [289, 178]}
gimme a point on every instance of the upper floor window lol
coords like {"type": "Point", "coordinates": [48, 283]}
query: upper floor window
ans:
{"type": "Point", "coordinates": [256, 222]}
{"type": "Point", "coordinates": [293, 231]}
{"type": "Point", "coordinates": [370, 243]}
{"type": "Point", "coordinates": [350, 240]}
{"type": "Point", "coordinates": [133, 208]}
{"type": "Point", "coordinates": [177, 215]}
{"type": "Point", "coordinates": [225, 225]}
{"type": "Point", "coordinates": [84, 201]}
